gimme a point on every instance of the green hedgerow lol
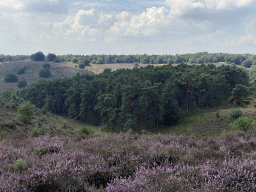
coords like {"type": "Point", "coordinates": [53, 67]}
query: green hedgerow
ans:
{"type": "Point", "coordinates": [243, 123]}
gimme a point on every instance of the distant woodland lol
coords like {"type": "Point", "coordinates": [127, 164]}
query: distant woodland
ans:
{"type": "Point", "coordinates": [141, 98]}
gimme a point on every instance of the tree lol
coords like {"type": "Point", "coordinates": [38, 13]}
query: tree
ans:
{"type": "Point", "coordinates": [51, 57]}
{"type": "Point", "coordinates": [21, 71]}
{"type": "Point", "coordinates": [74, 60]}
{"type": "Point", "coordinates": [135, 64]}
{"type": "Point", "coordinates": [39, 56]}
{"type": "Point", "coordinates": [159, 60]}
{"type": "Point", "coordinates": [11, 77]}
{"type": "Point", "coordinates": [239, 93]}
{"type": "Point", "coordinates": [26, 112]}
{"type": "Point", "coordinates": [84, 62]}
{"type": "Point", "coordinates": [247, 63]}
{"type": "Point", "coordinates": [22, 83]}
{"type": "Point", "coordinates": [45, 73]}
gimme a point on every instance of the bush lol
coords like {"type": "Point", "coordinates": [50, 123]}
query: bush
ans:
{"type": "Point", "coordinates": [25, 112]}
{"type": "Point", "coordinates": [45, 73]}
{"type": "Point", "coordinates": [43, 118]}
{"type": "Point", "coordinates": [13, 106]}
{"type": "Point", "coordinates": [135, 64]}
{"type": "Point", "coordinates": [74, 60]}
{"type": "Point", "coordinates": [217, 114]}
{"type": "Point", "coordinates": [93, 61]}
{"type": "Point", "coordinates": [130, 131]}
{"type": "Point", "coordinates": [39, 56]}
{"type": "Point", "coordinates": [37, 131]}
{"type": "Point", "coordinates": [82, 130]}
{"type": "Point", "coordinates": [56, 61]}
{"type": "Point", "coordinates": [22, 83]}
{"type": "Point", "coordinates": [64, 125]}
{"type": "Point", "coordinates": [236, 113]}
{"type": "Point", "coordinates": [51, 57]}
{"type": "Point", "coordinates": [11, 77]}
{"type": "Point", "coordinates": [18, 166]}
{"type": "Point", "coordinates": [75, 65]}
{"type": "Point", "coordinates": [7, 107]}
{"type": "Point", "coordinates": [81, 66]}
{"type": "Point", "coordinates": [243, 123]}
{"type": "Point", "coordinates": [44, 110]}
{"type": "Point", "coordinates": [21, 71]}
{"type": "Point", "coordinates": [2, 102]}
{"type": "Point", "coordinates": [46, 66]}
{"type": "Point", "coordinates": [84, 62]}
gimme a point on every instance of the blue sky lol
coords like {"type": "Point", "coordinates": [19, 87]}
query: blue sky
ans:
{"type": "Point", "coordinates": [127, 27]}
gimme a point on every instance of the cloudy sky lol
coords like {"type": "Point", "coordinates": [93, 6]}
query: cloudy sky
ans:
{"type": "Point", "coordinates": [127, 27]}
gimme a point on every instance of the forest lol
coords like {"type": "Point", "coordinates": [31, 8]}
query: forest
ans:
{"type": "Point", "coordinates": [141, 98]}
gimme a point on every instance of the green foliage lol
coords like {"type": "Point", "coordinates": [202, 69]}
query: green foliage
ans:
{"type": "Point", "coordinates": [51, 57]}
{"type": "Point", "coordinates": [93, 61]}
{"type": "Point", "coordinates": [74, 60]}
{"type": "Point", "coordinates": [130, 131]}
{"type": "Point", "coordinates": [43, 118]}
{"type": "Point", "coordinates": [26, 112]}
{"type": "Point", "coordinates": [2, 102]}
{"type": "Point", "coordinates": [45, 73]}
{"type": "Point", "coordinates": [135, 64]}
{"type": "Point", "coordinates": [243, 123]}
{"type": "Point", "coordinates": [37, 131]}
{"type": "Point", "coordinates": [46, 66]}
{"type": "Point", "coordinates": [7, 107]}
{"type": "Point", "coordinates": [130, 124]}
{"type": "Point", "coordinates": [39, 56]}
{"type": "Point", "coordinates": [84, 62]}
{"type": "Point", "coordinates": [21, 83]}
{"type": "Point", "coordinates": [81, 66]}
{"type": "Point", "coordinates": [64, 125]}
{"type": "Point", "coordinates": [18, 166]}
{"type": "Point", "coordinates": [11, 77]}
{"type": "Point", "coordinates": [236, 113]}
{"type": "Point", "coordinates": [21, 71]}
{"type": "Point", "coordinates": [75, 65]}
{"type": "Point", "coordinates": [239, 93]}
{"type": "Point", "coordinates": [44, 110]}
{"type": "Point", "coordinates": [56, 61]}
{"type": "Point", "coordinates": [13, 106]}
{"type": "Point", "coordinates": [217, 114]}
{"type": "Point", "coordinates": [247, 63]}
{"type": "Point", "coordinates": [83, 130]}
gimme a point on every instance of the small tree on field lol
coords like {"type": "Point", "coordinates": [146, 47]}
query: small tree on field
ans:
{"type": "Point", "coordinates": [26, 112]}
{"type": "Point", "coordinates": [239, 93]}
{"type": "Point", "coordinates": [74, 60]}
{"type": "Point", "coordinates": [84, 62]}
{"type": "Point", "coordinates": [39, 56]}
{"type": "Point", "coordinates": [21, 70]}
{"type": "Point", "coordinates": [11, 77]}
{"type": "Point", "coordinates": [81, 66]}
{"type": "Point", "coordinates": [22, 83]}
{"type": "Point", "coordinates": [45, 73]}
{"type": "Point", "coordinates": [51, 57]}
{"type": "Point", "coordinates": [135, 64]}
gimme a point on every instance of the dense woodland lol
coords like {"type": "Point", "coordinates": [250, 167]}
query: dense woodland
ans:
{"type": "Point", "coordinates": [137, 98]}
{"type": "Point", "coordinates": [141, 98]}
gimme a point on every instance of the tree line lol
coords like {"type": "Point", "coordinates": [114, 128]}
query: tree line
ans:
{"type": "Point", "coordinates": [246, 60]}
{"type": "Point", "coordinates": [139, 98]}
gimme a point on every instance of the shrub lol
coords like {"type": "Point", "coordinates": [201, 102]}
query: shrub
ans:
{"type": "Point", "coordinates": [44, 110]}
{"type": "Point", "coordinates": [75, 65]}
{"type": "Point", "coordinates": [45, 73]}
{"type": "Point", "coordinates": [7, 107]}
{"type": "Point", "coordinates": [81, 66]}
{"type": "Point", "coordinates": [243, 123]}
{"type": "Point", "coordinates": [74, 60]}
{"type": "Point", "coordinates": [25, 112]}
{"type": "Point", "coordinates": [2, 102]}
{"type": "Point", "coordinates": [135, 64]}
{"type": "Point", "coordinates": [37, 131]}
{"type": "Point", "coordinates": [236, 113]}
{"type": "Point", "coordinates": [13, 106]}
{"type": "Point", "coordinates": [43, 118]}
{"type": "Point", "coordinates": [82, 130]}
{"type": "Point", "coordinates": [217, 114]}
{"type": "Point", "coordinates": [46, 66]}
{"type": "Point", "coordinates": [64, 125]}
{"type": "Point", "coordinates": [130, 131]}
{"type": "Point", "coordinates": [85, 62]}
{"type": "Point", "coordinates": [93, 61]}
{"type": "Point", "coordinates": [11, 77]}
{"type": "Point", "coordinates": [22, 83]}
{"type": "Point", "coordinates": [21, 71]}
{"type": "Point", "coordinates": [18, 166]}
{"type": "Point", "coordinates": [56, 61]}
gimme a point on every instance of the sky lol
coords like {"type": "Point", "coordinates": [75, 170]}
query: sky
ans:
{"type": "Point", "coordinates": [127, 27]}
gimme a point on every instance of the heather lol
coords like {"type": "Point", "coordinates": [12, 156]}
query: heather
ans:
{"type": "Point", "coordinates": [67, 159]}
